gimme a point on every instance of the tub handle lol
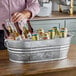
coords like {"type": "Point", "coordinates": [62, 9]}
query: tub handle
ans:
{"type": "Point", "coordinates": [6, 43]}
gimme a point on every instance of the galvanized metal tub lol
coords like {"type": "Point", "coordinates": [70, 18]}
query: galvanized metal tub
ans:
{"type": "Point", "coordinates": [37, 51]}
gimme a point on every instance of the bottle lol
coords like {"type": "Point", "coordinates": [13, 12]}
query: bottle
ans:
{"type": "Point", "coordinates": [30, 27]}
{"type": "Point", "coordinates": [5, 31]}
{"type": "Point", "coordinates": [10, 29]}
{"type": "Point", "coordinates": [59, 34]}
{"type": "Point", "coordinates": [25, 32]}
{"type": "Point", "coordinates": [18, 28]}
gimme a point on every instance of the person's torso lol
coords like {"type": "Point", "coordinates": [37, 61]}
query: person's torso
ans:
{"type": "Point", "coordinates": [13, 5]}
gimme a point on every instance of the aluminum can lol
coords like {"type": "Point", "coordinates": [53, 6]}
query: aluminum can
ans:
{"type": "Point", "coordinates": [41, 32]}
{"type": "Point", "coordinates": [64, 32]}
{"type": "Point", "coordinates": [46, 36]}
{"type": "Point", "coordinates": [55, 29]}
{"type": "Point", "coordinates": [35, 37]}
{"type": "Point", "coordinates": [51, 34]}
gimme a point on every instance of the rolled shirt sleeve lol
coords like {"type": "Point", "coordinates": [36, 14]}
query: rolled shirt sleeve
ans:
{"type": "Point", "coordinates": [33, 6]}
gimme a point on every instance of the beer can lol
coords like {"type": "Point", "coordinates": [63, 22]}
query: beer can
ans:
{"type": "Point", "coordinates": [64, 32]}
{"type": "Point", "coordinates": [51, 33]}
{"type": "Point", "coordinates": [40, 32]}
{"type": "Point", "coordinates": [55, 29]}
{"type": "Point", "coordinates": [35, 37]}
{"type": "Point", "coordinates": [46, 36]}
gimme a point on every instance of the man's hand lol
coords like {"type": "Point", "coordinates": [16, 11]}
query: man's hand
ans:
{"type": "Point", "coordinates": [21, 15]}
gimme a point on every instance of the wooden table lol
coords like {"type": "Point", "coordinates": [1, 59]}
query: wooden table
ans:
{"type": "Point", "coordinates": [66, 67]}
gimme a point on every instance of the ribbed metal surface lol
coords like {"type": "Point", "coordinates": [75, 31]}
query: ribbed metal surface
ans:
{"type": "Point", "coordinates": [37, 51]}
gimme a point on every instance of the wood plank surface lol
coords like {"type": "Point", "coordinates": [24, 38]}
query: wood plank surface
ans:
{"type": "Point", "coordinates": [68, 65]}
